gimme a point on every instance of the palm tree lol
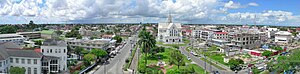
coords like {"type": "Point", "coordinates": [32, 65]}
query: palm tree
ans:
{"type": "Point", "coordinates": [146, 41]}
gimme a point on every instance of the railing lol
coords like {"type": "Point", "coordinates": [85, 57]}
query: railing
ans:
{"type": "Point", "coordinates": [88, 68]}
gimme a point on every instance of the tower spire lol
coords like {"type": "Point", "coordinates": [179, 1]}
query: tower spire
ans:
{"type": "Point", "coordinates": [169, 18]}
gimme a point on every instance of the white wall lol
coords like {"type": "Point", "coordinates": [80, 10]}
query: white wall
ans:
{"type": "Point", "coordinates": [57, 51]}
{"type": "Point", "coordinates": [26, 65]}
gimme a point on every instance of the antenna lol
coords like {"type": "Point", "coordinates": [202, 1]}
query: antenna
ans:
{"type": "Point", "coordinates": [255, 20]}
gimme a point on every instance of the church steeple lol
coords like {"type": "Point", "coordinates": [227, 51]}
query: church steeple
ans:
{"type": "Point", "coordinates": [169, 18]}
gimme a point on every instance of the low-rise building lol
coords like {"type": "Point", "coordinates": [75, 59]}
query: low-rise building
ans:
{"type": "Point", "coordinates": [105, 44]}
{"type": "Point", "coordinates": [55, 56]}
{"type": "Point", "coordinates": [30, 35]}
{"type": "Point", "coordinates": [283, 37]}
{"type": "Point", "coordinates": [14, 38]}
{"type": "Point", "coordinates": [11, 55]}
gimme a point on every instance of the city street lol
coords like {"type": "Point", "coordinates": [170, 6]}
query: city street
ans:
{"type": "Point", "coordinates": [115, 65]}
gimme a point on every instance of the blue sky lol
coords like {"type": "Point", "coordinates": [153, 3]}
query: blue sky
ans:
{"type": "Point", "coordinates": [264, 12]}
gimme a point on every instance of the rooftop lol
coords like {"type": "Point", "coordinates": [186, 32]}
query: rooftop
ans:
{"type": "Point", "coordinates": [9, 35]}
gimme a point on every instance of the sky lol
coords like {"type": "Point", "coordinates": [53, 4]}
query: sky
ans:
{"type": "Point", "coordinates": [260, 12]}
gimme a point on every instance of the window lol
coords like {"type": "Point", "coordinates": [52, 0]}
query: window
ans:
{"type": "Point", "coordinates": [29, 70]}
{"type": "Point", "coordinates": [50, 50]}
{"type": "Point", "coordinates": [17, 60]}
{"type": "Point", "coordinates": [47, 50]}
{"type": "Point", "coordinates": [23, 61]}
{"type": "Point", "coordinates": [35, 71]}
{"type": "Point", "coordinates": [42, 50]}
{"type": "Point", "coordinates": [64, 50]}
{"type": "Point", "coordinates": [28, 61]}
{"type": "Point", "coordinates": [35, 61]}
{"type": "Point", "coordinates": [59, 50]}
{"type": "Point", "coordinates": [0, 64]}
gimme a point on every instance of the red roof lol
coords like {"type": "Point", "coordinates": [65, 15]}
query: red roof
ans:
{"type": "Point", "coordinates": [37, 50]}
{"type": "Point", "coordinates": [189, 31]}
{"type": "Point", "coordinates": [221, 33]}
{"type": "Point", "coordinates": [298, 29]}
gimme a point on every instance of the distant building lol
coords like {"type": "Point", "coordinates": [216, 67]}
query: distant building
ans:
{"type": "Point", "coordinates": [105, 44]}
{"type": "Point", "coordinates": [15, 38]}
{"type": "Point", "coordinates": [30, 35]}
{"type": "Point", "coordinates": [12, 55]}
{"type": "Point", "coordinates": [55, 56]}
{"type": "Point", "coordinates": [271, 32]}
{"type": "Point", "coordinates": [283, 37]}
{"type": "Point", "coordinates": [107, 36]}
{"type": "Point", "coordinates": [169, 33]}
{"type": "Point", "coordinates": [245, 38]}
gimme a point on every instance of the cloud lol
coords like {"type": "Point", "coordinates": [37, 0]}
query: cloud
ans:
{"type": "Point", "coordinates": [266, 17]}
{"type": "Point", "coordinates": [185, 11]}
{"type": "Point", "coordinates": [253, 4]}
{"type": "Point", "coordinates": [232, 5]}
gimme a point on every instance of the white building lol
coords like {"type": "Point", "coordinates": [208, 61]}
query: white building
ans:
{"type": "Point", "coordinates": [15, 38]}
{"type": "Point", "coordinates": [11, 55]}
{"type": "Point", "coordinates": [55, 56]}
{"type": "Point", "coordinates": [271, 32]}
{"type": "Point", "coordinates": [283, 37]}
{"type": "Point", "coordinates": [169, 33]}
{"type": "Point", "coordinates": [104, 44]}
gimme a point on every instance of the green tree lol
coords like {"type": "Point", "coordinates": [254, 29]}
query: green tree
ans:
{"type": "Point", "coordinates": [88, 58]}
{"type": "Point", "coordinates": [267, 53]}
{"type": "Point", "coordinates": [173, 71]}
{"type": "Point", "coordinates": [8, 29]}
{"type": "Point", "coordinates": [58, 32]}
{"type": "Point", "coordinates": [235, 64]}
{"type": "Point", "coordinates": [146, 41]}
{"type": "Point", "coordinates": [99, 53]}
{"type": "Point", "coordinates": [32, 25]}
{"type": "Point", "coordinates": [38, 42]}
{"type": "Point", "coordinates": [177, 58]}
{"type": "Point", "coordinates": [118, 38]}
{"type": "Point", "coordinates": [73, 33]}
{"type": "Point", "coordinates": [17, 70]}
{"type": "Point", "coordinates": [190, 69]}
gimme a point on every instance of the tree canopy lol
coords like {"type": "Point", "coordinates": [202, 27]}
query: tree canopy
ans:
{"type": "Point", "coordinates": [267, 53]}
{"type": "Point", "coordinates": [8, 29]}
{"type": "Point", "coordinates": [177, 58]}
{"type": "Point", "coordinates": [73, 33]}
{"type": "Point", "coordinates": [235, 64]}
{"type": "Point", "coordinates": [99, 52]}
{"type": "Point", "coordinates": [17, 70]}
{"type": "Point", "coordinates": [118, 38]}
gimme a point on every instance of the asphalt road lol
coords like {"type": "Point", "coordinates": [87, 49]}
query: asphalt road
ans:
{"type": "Point", "coordinates": [115, 65]}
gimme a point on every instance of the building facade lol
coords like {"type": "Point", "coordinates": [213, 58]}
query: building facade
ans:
{"type": "Point", "coordinates": [169, 33]}
{"type": "Point", "coordinates": [55, 56]}
{"type": "Point", "coordinates": [14, 38]}
{"type": "Point", "coordinates": [283, 37]}
{"type": "Point", "coordinates": [30, 35]}
{"type": "Point", "coordinates": [11, 55]}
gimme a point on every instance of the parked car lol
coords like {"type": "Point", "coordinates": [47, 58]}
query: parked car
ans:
{"type": "Point", "coordinates": [216, 72]}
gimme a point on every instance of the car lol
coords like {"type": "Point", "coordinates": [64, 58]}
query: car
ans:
{"type": "Point", "coordinates": [216, 72]}
{"type": "Point", "coordinates": [188, 58]}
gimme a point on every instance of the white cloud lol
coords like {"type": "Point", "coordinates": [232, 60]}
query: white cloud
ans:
{"type": "Point", "coordinates": [186, 11]}
{"type": "Point", "coordinates": [233, 5]}
{"type": "Point", "coordinates": [266, 17]}
{"type": "Point", "coordinates": [253, 4]}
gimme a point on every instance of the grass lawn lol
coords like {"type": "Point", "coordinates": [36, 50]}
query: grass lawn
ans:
{"type": "Point", "coordinates": [219, 58]}
{"type": "Point", "coordinates": [165, 56]}
{"type": "Point", "coordinates": [198, 69]}
{"type": "Point", "coordinates": [212, 64]}
{"type": "Point", "coordinates": [48, 32]}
